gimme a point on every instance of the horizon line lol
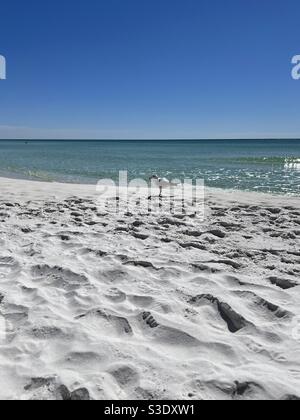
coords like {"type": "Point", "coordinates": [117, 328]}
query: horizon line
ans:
{"type": "Point", "coordinates": [157, 139]}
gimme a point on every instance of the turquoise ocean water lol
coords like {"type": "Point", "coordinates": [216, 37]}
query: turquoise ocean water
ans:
{"type": "Point", "coordinates": [255, 165]}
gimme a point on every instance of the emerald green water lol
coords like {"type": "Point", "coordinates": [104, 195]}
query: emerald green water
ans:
{"type": "Point", "coordinates": [255, 165]}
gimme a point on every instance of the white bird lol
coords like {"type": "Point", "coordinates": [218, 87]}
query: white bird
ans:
{"type": "Point", "coordinates": [162, 183]}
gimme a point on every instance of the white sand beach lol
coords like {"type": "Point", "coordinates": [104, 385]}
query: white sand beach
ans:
{"type": "Point", "coordinates": [97, 305]}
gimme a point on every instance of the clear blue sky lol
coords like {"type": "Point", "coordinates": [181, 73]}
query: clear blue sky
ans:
{"type": "Point", "coordinates": [149, 68]}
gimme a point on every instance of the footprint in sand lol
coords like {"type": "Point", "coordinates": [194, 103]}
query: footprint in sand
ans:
{"type": "Point", "coordinates": [103, 319]}
{"type": "Point", "coordinates": [59, 277]}
{"type": "Point", "coordinates": [166, 335]}
{"type": "Point", "coordinates": [13, 317]}
{"type": "Point", "coordinates": [46, 332]}
{"type": "Point", "coordinates": [125, 375]}
{"type": "Point", "coordinates": [148, 318]}
{"type": "Point", "coordinates": [141, 301]}
{"type": "Point", "coordinates": [115, 295]}
{"type": "Point", "coordinates": [256, 302]}
{"type": "Point", "coordinates": [283, 283]}
{"type": "Point", "coordinates": [8, 265]}
{"type": "Point", "coordinates": [235, 322]}
{"type": "Point", "coordinates": [50, 388]}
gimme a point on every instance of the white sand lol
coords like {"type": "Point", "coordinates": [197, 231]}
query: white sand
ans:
{"type": "Point", "coordinates": [144, 306]}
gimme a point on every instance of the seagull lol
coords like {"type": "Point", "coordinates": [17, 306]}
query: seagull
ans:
{"type": "Point", "coordinates": [161, 183]}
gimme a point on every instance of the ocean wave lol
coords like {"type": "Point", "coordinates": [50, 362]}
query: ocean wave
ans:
{"type": "Point", "coordinates": [275, 160]}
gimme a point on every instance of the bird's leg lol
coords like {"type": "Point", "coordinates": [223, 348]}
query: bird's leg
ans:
{"type": "Point", "coordinates": [160, 192]}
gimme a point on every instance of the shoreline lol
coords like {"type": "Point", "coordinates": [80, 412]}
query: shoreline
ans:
{"type": "Point", "coordinates": [60, 189]}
